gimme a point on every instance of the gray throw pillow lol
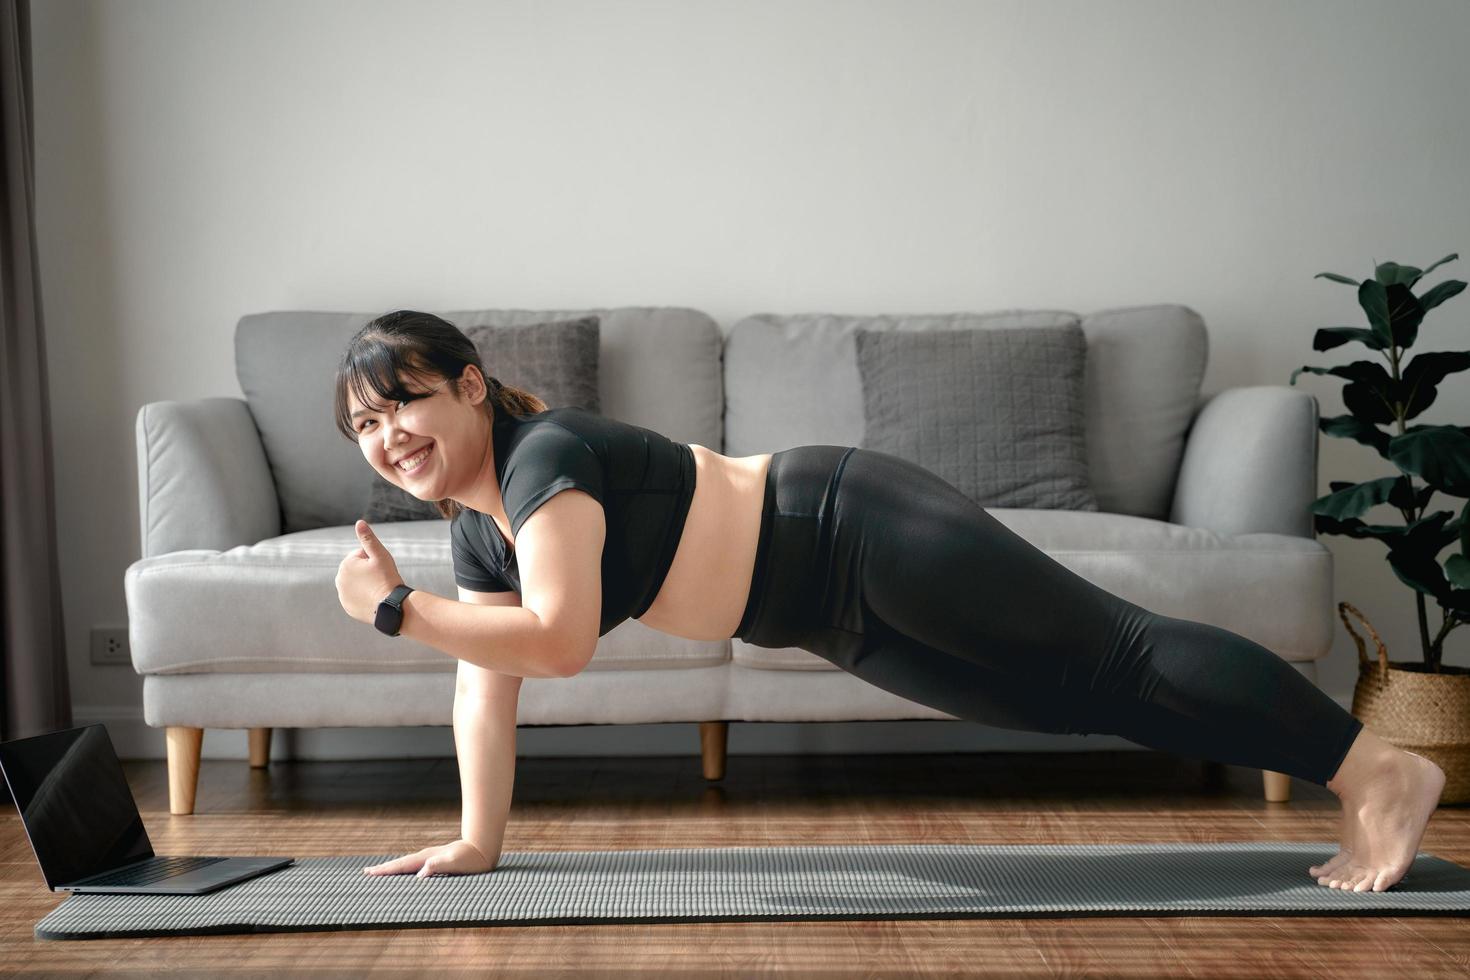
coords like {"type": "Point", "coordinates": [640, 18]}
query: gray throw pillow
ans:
{"type": "Point", "coordinates": [556, 361]}
{"type": "Point", "coordinates": [998, 413]}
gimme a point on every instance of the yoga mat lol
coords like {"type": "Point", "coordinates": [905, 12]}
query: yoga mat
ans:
{"type": "Point", "coordinates": [885, 881]}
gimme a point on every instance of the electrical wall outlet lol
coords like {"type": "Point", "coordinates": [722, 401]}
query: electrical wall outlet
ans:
{"type": "Point", "coordinates": [110, 646]}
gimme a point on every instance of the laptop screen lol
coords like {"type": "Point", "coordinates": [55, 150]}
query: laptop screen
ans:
{"type": "Point", "coordinates": [74, 802]}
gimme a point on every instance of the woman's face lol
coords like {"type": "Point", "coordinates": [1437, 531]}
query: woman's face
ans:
{"type": "Point", "coordinates": [452, 432]}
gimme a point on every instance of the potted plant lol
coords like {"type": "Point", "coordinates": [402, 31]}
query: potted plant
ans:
{"type": "Point", "coordinates": [1424, 705]}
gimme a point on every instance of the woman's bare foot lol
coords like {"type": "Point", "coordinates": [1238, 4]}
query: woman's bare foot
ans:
{"type": "Point", "coordinates": [1388, 796]}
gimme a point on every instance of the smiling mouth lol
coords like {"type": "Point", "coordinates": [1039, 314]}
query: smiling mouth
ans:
{"type": "Point", "coordinates": [418, 461]}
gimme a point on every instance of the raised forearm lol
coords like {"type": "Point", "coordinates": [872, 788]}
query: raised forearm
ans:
{"type": "Point", "coordinates": [508, 639]}
{"type": "Point", "coordinates": [485, 743]}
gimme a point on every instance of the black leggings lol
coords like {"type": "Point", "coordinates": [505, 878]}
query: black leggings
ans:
{"type": "Point", "coordinates": [891, 573]}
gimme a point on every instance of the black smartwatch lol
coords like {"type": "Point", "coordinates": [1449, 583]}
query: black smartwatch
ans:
{"type": "Point", "coordinates": [390, 611]}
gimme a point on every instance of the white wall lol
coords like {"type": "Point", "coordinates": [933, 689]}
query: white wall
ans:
{"type": "Point", "coordinates": [198, 161]}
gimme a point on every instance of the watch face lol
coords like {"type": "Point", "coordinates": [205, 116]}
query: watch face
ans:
{"type": "Point", "coordinates": [388, 619]}
{"type": "Point", "coordinates": [389, 616]}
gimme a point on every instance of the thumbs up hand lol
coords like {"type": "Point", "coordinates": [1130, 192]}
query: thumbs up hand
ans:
{"type": "Point", "coordinates": [366, 576]}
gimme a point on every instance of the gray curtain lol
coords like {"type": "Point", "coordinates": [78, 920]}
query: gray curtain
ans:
{"type": "Point", "coordinates": [34, 694]}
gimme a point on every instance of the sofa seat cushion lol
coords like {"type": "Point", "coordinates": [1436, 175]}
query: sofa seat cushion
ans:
{"type": "Point", "coordinates": [272, 607]}
{"type": "Point", "coordinates": [1275, 589]}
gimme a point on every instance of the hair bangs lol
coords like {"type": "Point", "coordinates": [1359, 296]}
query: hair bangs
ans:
{"type": "Point", "coordinates": [375, 370]}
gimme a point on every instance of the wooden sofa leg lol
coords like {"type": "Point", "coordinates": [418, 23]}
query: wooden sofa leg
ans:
{"type": "Point", "coordinates": [712, 747]}
{"type": "Point", "coordinates": [260, 747]}
{"type": "Point", "coordinates": [183, 767]}
{"type": "Point", "coordinates": [1278, 786]}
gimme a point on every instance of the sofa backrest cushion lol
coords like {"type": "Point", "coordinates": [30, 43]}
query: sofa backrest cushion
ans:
{"type": "Point", "coordinates": [658, 367]}
{"type": "Point", "coordinates": [793, 380]}
{"type": "Point", "coordinates": [996, 413]}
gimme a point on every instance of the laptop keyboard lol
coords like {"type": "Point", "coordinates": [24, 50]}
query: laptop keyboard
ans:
{"type": "Point", "coordinates": [155, 869]}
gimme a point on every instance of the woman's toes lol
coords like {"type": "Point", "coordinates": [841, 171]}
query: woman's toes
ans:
{"type": "Point", "coordinates": [1389, 877]}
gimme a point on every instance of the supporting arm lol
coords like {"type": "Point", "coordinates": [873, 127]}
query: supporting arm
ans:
{"type": "Point", "coordinates": [485, 743]}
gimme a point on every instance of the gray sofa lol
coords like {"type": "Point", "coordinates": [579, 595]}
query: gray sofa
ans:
{"type": "Point", "coordinates": [247, 505]}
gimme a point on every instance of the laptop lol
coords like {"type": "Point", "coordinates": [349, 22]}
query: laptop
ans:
{"type": "Point", "coordinates": [85, 827]}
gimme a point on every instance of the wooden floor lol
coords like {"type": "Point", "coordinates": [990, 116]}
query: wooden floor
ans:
{"type": "Point", "coordinates": [308, 809]}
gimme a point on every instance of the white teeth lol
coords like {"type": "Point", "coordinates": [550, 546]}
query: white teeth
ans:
{"type": "Point", "coordinates": [414, 461]}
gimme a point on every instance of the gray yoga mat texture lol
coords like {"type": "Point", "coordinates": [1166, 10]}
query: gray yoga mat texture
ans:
{"type": "Point", "coordinates": [892, 881]}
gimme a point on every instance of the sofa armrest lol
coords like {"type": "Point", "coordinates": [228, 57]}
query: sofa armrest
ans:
{"type": "Point", "coordinates": [203, 479]}
{"type": "Point", "coordinates": [1250, 463]}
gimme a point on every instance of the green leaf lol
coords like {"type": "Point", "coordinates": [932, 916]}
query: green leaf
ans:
{"type": "Point", "coordinates": [1457, 570]}
{"type": "Point", "coordinates": [1437, 454]}
{"type": "Point", "coordinates": [1335, 278]}
{"type": "Point", "coordinates": [1448, 258]}
{"type": "Point", "coordinates": [1329, 337]}
{"type": "Point", "coordinates": [1465, 533]}
{"type": "Point", "coordinates": [1402, 495]}
{"type": "Point", "coordinates": [1372, 394]}
{"type": "Point", "coordinates": [1391, 273]}
{"type": "Point", "coordinates": [1414, 556]}
{"type": "Point", "coordinates": [1419, 572]}
{"type": "Point", "coordinates": [1440, 293]}
{"type": "Point", "coordinates": [1347, 427]}
{"type": "Point", "coordinates": [1373, 298]}
{"type": "Point", "coordinates": [1354, 528]}
{"type": "Point", "coordinates": [1421, 377]}
{"type": "Point", "coordinates": [1367, 371]}
{"type": "Point", "coordinates": [1356, 500]}
{"type": "Point", "coordinates": [1421, 499]}
{"type": "Point", "coordinates": [1404, 314]}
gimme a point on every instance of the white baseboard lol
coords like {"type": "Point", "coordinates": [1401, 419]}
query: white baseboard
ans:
{"type": "Point", "coordinates": [134, 739]}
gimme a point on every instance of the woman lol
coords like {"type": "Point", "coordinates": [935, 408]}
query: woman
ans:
{"type": "Point", "coordinates": [567, 523]}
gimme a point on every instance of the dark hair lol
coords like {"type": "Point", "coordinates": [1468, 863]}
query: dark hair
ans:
{"type": "Point", "coordinates": [408, 344]}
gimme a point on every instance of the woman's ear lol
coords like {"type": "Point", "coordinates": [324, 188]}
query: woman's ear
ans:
{"type": "Point", "coordinates": [472, 384]}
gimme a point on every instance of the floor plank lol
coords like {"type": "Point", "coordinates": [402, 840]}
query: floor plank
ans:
{"type": "Point", "coordinates": [331, 808]}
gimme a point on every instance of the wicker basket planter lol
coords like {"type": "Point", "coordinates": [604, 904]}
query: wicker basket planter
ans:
{"type": "Point", "coordinates": [1421, 712]}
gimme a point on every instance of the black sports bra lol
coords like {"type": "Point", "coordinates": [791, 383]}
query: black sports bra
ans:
{"type": "Point", "coordinates": [644, 481]}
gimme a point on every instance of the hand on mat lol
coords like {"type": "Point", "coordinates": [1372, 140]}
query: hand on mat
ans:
{"type": "Point", "coordinates": [457, 858]}
{"type": "Point", "coordinates": [366, 576]}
